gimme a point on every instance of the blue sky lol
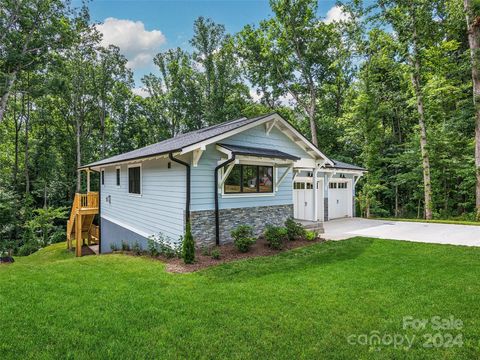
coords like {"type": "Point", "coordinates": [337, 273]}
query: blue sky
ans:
{"type": "Point", "coordinates": [143, 28]}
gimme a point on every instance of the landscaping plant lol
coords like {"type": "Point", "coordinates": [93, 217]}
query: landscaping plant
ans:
{"type": "Point", "coordinates": [243, 237]}
{"type": "Point", "coordinates": [215, 254]}
{"type": "Point", "coordinates": [275, 236]}
{"type": "Point", "coordinates": [295, 230]}
{"type": "Point", "coordinates": [188, 248]}
{"type": "Point", "coordinates": [310, 235]}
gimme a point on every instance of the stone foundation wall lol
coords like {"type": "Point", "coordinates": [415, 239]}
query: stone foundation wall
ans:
{"type": "Point", "coordinates": [203, 222]}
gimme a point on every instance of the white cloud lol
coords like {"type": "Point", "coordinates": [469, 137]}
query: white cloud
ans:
{"type": "Point", "coordinates": [140, 91]}
{"type": "Point", "coordinates": [336, 14]}
{"type": "Point", "coordinates": [135, 42]}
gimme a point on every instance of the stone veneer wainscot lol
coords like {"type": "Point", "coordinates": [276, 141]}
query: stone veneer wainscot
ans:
{"type": "Point", "coordinates": [203, 222]}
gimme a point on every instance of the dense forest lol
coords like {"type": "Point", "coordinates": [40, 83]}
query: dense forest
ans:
{"type": "Point", "coordinates": [388, 87]}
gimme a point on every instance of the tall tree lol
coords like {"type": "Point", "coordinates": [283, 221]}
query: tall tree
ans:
{"type": "Point", "coordinates": [29, 32]}
{"type": "Point", "coordinates": [291, 55]}
{"type": "Point", "coordinates": [472, 11]}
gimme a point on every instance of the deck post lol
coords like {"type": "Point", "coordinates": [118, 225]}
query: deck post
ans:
{"type": "Point", "coordinates": [88, 180]}
{"type": "Point", "coordinates": [78, 235]}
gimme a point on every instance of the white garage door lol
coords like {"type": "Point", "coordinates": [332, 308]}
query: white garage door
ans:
{"type": "Point", "coordinates": [303, 204]}
{"type": "Point", "coordinates": [339, 199]}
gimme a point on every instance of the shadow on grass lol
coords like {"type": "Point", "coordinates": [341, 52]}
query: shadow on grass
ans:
{"type": "Point", "coordinates": [294, 260]}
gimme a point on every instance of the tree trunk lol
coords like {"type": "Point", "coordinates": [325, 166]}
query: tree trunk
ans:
{"type": "Point", "coordinates": [473, 27]}
{"type": "Point", "coordinates": [27, 126]}
{"type": "Point", "coordinates": [4, 100]}
{"type": "Point", "coordinates": [427, 185]}
{"type": "Point", "coordinates": [79, 160]}
{"type": "Point", "coordinates": [311, 118]}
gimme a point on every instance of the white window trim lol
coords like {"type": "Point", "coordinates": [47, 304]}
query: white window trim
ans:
{"type": "Point", "coordinates": [141, 180]}
{"type": "Point", "coordinates": [102, 177]}
{"type": "Point", "coordinates": [120, 177]}
{"type": "Point", "coordinates": [259, 194]}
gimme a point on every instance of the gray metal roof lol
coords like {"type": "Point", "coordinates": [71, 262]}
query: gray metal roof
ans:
{"type": "Point", "coordinates": [178, 142]}
{"type": "Point", "coordinates": [346, 166]}
{"type": "Point", "coordinates": [262, 152]}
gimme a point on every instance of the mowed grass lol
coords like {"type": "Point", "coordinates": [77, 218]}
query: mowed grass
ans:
{"type": "Point", "coordinates": [303, 303]}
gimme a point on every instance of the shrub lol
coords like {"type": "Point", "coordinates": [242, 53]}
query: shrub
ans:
{"type": "Point", "coordinates": [152, 247]}
{"type": "Point", "coordinates": [125, 246]}
{"type": "Point", "coordinates": [215, 253]}
{"type": "Point", "coordinates": [188, 248]}
{"type": "Point", "coordinates": [294, 229]}
{"type": "Point", "coordinates": [162, 245]}
{"type": "Point", "coordinates": [275, 236]}
{"type": "Point", "coordinates": [311, 235]}
{"type": "Point", "coordinates": [27, 249]}
{"type": "Point", "coordinates": [113, 247]}
{"type": "Point", "coordinates": [136, 248]}
{"type": "Point", "coordinates": [243, 237]}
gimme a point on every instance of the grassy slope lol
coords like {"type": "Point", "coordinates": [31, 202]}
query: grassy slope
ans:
{"type": "Point", "coordinates": [303, 303]}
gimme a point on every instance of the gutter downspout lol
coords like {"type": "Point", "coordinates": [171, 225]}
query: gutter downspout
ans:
{"type": "Point", "coordinates": [187, 202]}
{"type": "Point", "coordinates": [217, 220]}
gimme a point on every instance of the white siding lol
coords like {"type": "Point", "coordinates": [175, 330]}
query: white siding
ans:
{"type": "Point", "coordinates": [160, 208]}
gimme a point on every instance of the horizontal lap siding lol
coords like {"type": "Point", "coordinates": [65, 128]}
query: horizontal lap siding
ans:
{"type": "Point", "coordinates": [161, 206]}
{"type": "Point", "coordinates": [203, 175]}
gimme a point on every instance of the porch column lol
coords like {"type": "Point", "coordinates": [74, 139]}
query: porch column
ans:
{"type": "Point", "coordinates": [88, 180]}
{"type": "Point", "coordinates": [315, 195]}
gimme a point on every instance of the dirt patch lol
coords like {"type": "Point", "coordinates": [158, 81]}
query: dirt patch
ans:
{"type": "Point", "coordinates": [229, 253]}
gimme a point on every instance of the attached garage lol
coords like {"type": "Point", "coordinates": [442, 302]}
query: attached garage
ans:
{"type": "Point", "coordinates": [340, 199]}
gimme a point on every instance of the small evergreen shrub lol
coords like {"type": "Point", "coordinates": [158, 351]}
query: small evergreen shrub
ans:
{"type": "Point", "coordinates": [125, 246]}
{"type": "Point", "coordinates": [275, 236]}
{"type": "Point", "coordinates": [152, 247]}
{"type": "Point", "coordinates": [113, 247]}
{"type": "Point", "coordinates": [136, 248]}
{"type": "Point", "coordinates": [215, 254]}
{"type": "Point", "coordinates": [243, 237]}
{"type": "Point", "coordinates": [311, 235]}
{"type": "Point", "coordinates": [295, 230]}
{"type": "Point", "coordinates": [188, 248]}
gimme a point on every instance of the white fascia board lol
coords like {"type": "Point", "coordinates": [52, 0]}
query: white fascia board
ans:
{"type": "Point", "coordinates": [228, 134]}
{"type": "Point", "coordinates": [133, 161]}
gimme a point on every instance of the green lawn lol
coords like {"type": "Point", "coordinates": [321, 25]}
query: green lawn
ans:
{"type": "Point", "coordinates": [306, 303]}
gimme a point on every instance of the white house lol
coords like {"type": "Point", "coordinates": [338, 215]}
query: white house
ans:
{"type": "Point", "coordinates": [247, 171]}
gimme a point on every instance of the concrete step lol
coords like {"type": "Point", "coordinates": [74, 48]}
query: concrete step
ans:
{"type": "Point", "coordinates": [313, 225]}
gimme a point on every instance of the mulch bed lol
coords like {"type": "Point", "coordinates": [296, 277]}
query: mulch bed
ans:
{"type": "Point", "coordinates": [229, 253]}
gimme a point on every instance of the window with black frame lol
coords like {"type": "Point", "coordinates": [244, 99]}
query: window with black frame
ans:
{"type": "Point", "coordinates": [247, 179]}
{"type": "Point", "coordinates": [134, 178]}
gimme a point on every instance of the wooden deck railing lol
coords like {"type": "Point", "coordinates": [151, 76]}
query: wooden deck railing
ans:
{"type": "Point", "coordinates": [82, 201]}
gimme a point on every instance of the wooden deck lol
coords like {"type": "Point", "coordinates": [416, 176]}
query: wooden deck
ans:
{"type": "Point", "coordinates": [80, 225]}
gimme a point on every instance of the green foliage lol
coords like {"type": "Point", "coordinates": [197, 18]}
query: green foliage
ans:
{"type": "Point", "coordinates": [113, 247]}
{"type": "Point", "coordinates": [215, 253]}
{"type": "Point", "coordinates": [275, 236]}
{"type": "Point", "coordinates": [161, 244]}
{"type": "Point", "coordinates": [311, 235]}
{"type": "Point", "coordinates": [243, 237]}
{"type": "Point", "coordinates": [125, 246]}
{"type": "Point", "coordinates": [188, 248]}
{"type": "Point", "coordinates": [295, 230]}
{"type": "Point", "coordinates": [136, 248]}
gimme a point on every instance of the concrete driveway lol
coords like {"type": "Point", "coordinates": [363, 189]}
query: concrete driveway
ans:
{"type": "Point", "coordinates": [399, 230]}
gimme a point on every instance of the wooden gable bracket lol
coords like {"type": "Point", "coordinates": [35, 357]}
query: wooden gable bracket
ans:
{"type": "Point", "coordinates": [227, 172]}
{"type": "Point", "coordinates": [284, 175]}
{"type": "Point", "coordinates": [269, 126]}
{"type": "Point", "coordinates": [197, 154]}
